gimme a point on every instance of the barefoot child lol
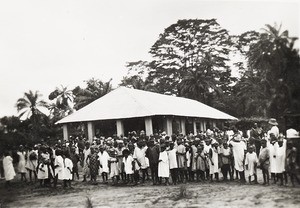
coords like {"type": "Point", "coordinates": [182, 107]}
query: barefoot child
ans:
{"type": "Point", "coordinates": [42, 172]}
{"type": "Point", "coordinates": [251, 163]}
{"type": "Point", "coordinates": [68, 166]}
{"type": "Point", "coordinates": [163, 165]}
{"type": "Point", "coordinates": [114, 169]}
{"type": "Point", "coordinates": [22, 162]}
{"type": "Point", "coordinates": [128, 165]}
{"type": "Point", "coordinates": [264, 161]}
{"type": "Point", "coordinates": [93, 164]}
{"type": "Point", "coordinates": [200, 163]}
{"type": "Point", "coordinates": [173, 163]}
{"type": "Point", "coordinates": [213, 161]}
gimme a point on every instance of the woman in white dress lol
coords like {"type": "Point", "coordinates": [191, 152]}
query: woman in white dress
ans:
{"type": "Point", "coordinates": [22, 162]}
{"type": "Point", "coordinates": [9, 171]}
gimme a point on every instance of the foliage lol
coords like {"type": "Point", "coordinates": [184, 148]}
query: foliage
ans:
{"type": "Point", "coordinates": [30, 105]}
{"type": "Point", "coordinates": [136, 75]}
{"type": "Point", "coordinates": [183, 47]}
{"type": "Point", "coordinates": [94, 90]}
{"type": "Point", "coordinates": [63, 101]}
{"type": "Point", "coordinates": [246, 123]}
{"type": "Point", "coordinates": [270, 84]}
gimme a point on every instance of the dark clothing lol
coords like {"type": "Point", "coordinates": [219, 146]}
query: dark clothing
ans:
{"type": "Point", "coordinates": [256, 134]}
{"type": "Point", "coordinates": [152, 153]}
{"type": "Point", "coordinates": [94, 164]}
{"type": "Point", "coordinates": [154, 172]}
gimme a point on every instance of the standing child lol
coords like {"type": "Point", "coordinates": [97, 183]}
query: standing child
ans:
{"type": "Point", "coordinates": [22, 162]}
{"type": "Point", "coordinates": [120, 157]}
{"type": "Point", "coordinates": [173, 162]}
{"type": "Point", "coordinates": [68, 166]}
{"type": "Point", "coordinates": [181, 159]}
{"type": "Point", "coordinates": [114, 169]}
{"type": "Point", "coordinates": [86, 152]}
{"type": "Point", "coordinates": [103, 159]}
{"type": "Point", "coordinates": [189, 165]}
{"type": "Point", "coordinates": [93, 163]}
{"type": "Point", "coordinates": [200, 162]}
{"type": "Point", "coordinates": [58, 167]}
{"type": "Point", "coordinates": [43, 172]}
{"type": "Point", "coordinates": [251, 163]}
{"type": "Point", "coordinates": [291, 162]}
{"type": "Point", "coordinates": [163, 165]}
{"type": "Point", "coordinates": [75, 159]}
{"type": "Point", "coordinates": [9, 171]}
{"type": "Point", "coordinates": [214, 161]}
{"type": "Point", "coordinates": [31, 163]}
{"type": "Point", "coordinates": [225, 153]}
{"type": "Point", "coordinates": [128, 165]}
{"type": "Point", "coordinates": [264, 161]}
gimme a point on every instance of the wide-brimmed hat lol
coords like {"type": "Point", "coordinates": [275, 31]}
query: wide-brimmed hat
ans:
{"type": "Point", "coordinates": [273, 121]}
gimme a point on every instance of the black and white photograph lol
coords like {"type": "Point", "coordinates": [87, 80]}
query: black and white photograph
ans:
{"type": "Point", "coordinates": [150, 103]}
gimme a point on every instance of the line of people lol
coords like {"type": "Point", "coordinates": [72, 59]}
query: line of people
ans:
{"type": "Point", "coordinates": [132, 160]}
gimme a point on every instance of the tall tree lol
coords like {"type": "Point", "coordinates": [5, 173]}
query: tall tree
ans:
{"type": "Point", "coordinates": [200, 84]}
{"type": "Point", "coordinates": [63, 102]}
{"type": "Point", "coordinates": [138, 76]}
{"type": "Point", "coordinates": [182, 48]}
{"type": "Point", "coordinates": [94, 90]}
{"type": "Point", "coordinates": [29, 107]}
{"type": "Point", "coordinates": [272, 74]}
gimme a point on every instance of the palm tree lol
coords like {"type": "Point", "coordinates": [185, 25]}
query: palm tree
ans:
{"type": "Point", "coordinates": [29, 108]}
{"type": "Point", "coordinates": [64, 99]}
{"type": "Point", "coordinates": [30, 105]}
{"type": "Point", "coordinates": [94, 90]}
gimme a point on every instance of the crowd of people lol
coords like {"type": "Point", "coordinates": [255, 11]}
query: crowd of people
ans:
{"type": "Point", "coordinates": [212, 155]}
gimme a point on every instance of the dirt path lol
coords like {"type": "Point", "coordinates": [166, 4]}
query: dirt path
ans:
{"type": "Point", "coordinates": [229, 194]}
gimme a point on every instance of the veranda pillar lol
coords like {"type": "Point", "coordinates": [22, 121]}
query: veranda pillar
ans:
{"type": "Point", "coordinates": [65, 132]}
{"type": "Point", "coordinates": [195, 127]}
{"type": "Point", "coordinates": [168, 126]}
{"type": "Point", "coordinates": [148, 126]}
{"type": "Point", "coordinates": [182, 123]}
{"type": "Point", "coordinates": [120, 127]}
{"type": "Point", "coordinates": [91, 131]}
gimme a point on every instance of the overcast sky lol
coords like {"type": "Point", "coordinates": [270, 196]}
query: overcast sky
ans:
{"type": "Point", "coordinates": [44, 44]}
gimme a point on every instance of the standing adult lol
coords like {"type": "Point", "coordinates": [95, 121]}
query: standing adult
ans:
{"type": "Point", "coordinates": [238, 150]}
{"type": "Point", "coordinates": [139, 155]}
{"type": "Point", "coordinates": [256, 134]}
{"type": "Point", "coordinates": [152, 153]}
{"type": "Point", "coordinates": [273, 125]}
{"type": "Point", "coordinates": [9, 172]}
{"type": "Point", "coordinates": [86, 153]}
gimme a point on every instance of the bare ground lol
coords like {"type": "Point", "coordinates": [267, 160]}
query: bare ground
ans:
{"type": "Point", "coordinates": [221, 194]}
